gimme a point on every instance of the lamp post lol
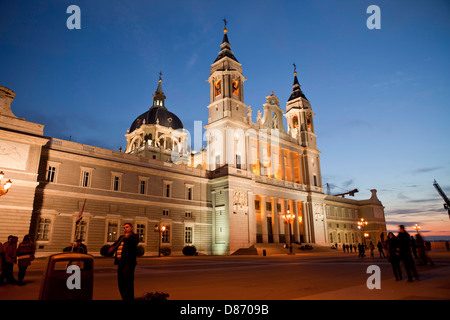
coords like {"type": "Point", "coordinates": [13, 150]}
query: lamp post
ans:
{"type": "Point", "coordinates": [417, 227]}
{"type": "Point", "coordinates": [160, 229]}
{"type": "Point", "coordinates": [361, 224]}
{"type": "Point", "coordinates": [4, 187]}
{"type": "Point", "coordinates": [288, 218]}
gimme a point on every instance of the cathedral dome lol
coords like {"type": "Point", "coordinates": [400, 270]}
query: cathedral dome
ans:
{"type": "Point", "coordinates": [157, 115]}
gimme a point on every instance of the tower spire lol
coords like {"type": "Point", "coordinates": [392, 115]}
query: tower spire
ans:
{"type": "Point", "coordinates": [296, 91]}
{"type": "Point", "coordinates": [159, 96]}
{"type": "Point", "coordinates": [226, 46]}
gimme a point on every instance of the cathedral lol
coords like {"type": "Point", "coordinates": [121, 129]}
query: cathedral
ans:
{"type": "Point", "coordinates": [254, 184]}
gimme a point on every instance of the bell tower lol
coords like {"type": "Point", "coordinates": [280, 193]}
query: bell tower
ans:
{"type": "Point", "coordinates": [300, 122]}
{"type": "Point", "coordinates": [226, 85]}
{"type": "Point", "coordinates": [299, 116]}
{"type": "Point", "coordinates": [227, 119]}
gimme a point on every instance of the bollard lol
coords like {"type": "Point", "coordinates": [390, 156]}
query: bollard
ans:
{"type": "Point", "coordinates": [68, 276]}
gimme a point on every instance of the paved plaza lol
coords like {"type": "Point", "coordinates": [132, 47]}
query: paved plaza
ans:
{"type": "Point", "coordinates": [331, 275]}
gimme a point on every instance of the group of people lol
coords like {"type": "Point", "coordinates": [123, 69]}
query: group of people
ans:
{"type": "Point", "coordinates": [404, 248]}
{"type": "Point", "coordinates": [361, 249]}
{"type": "Point", "coordinates": [11, 253]}
{"type": "Point", "coordinates": [400, 249]}
{"type": "Point", "coordinates": [124, 250]}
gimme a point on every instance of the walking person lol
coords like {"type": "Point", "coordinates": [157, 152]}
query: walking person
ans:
{"type": "Point", "coordinates": [371, 248]}
{"type": "Point", "coordinates": [10, 258]}
{"type": "Point", "coordinates": [423, 257]}
{"type": "Point", "coordinates": [125, 259]}
{"type": "Point", "coordinates": [380, 250]}
{"type": "Point", "coordinates": [414, 247]}
{"type": "Point", "coordinates": [404, 245]}
{"type": "Point", "coordinates": [25, 254]}
{"type": "Point", "coordinates": [361, 250]}
{"type": "Point", "coordinates": [393, 255]}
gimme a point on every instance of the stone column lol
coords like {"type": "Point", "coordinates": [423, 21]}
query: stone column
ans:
{"type": "Point", "coordinates": [251, 218]}
{"type": "Point", "coordinates": [296, 226]}
{"type": "Point", "coordinates": [265, 237]}
{"type": "Point", "coordinates": [306, 222]}
{"type": "Point", "coordinates": [275, 219]}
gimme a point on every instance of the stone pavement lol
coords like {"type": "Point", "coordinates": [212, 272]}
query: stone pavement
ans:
{"type": "Point", "coordinates": [434, 284]}
{"type": "Point", "coordinates": [275, 277]}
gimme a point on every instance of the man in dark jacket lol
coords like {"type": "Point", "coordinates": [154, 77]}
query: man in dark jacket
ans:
{"type": "Point", "coordinates": [404, 246]}
{"type": "Point", "coordinates": [125, 259]}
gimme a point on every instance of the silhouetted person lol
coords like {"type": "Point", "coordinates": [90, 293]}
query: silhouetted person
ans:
{"type": "Point", "coordinates": [394, 255]}
{"type": "Point", "coordinates": [361, 250]}
{"type": "Point", "coordinates": [125, 259]}
{"type": "Point", "coordinates": [25, 254]}
{"type": "Point", "coordinates": [423, 257]}
{"type": "Point", "coordinates": [79, 247]}
{"type": "Point", "coordinates": [380, 250]}
{"type": "Point", "coordinates": [414, 247]}
{"type": "Point", "coordinates": [404, 245]}
{"type": "Point", "coordinates": [10, 258]}
{"type": "Point", "coordinates": [371, 248]}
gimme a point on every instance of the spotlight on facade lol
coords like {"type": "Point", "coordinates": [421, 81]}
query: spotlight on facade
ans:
{"type": "Point", "coordinates": [4, 187]}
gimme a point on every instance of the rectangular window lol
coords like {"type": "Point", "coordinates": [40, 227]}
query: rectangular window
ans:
{"type": "Point", "coordinates": [44, 229]}
{"type": "Point", "coordinates": [218, 161]}
{"type": "Point", "coordinates": [112, 232]}
{"type": "Point", "coordinates": [167, 189]}
{"type": "Point", "coordinates": [165, 235]}
{"type": "Point", "coordinates": [238, 161]}
{"type": "Point", "coordinates": [257, 205]}
{"type": "Point", "coordinates": [315, 180]}
{"type": "Point", "coordinates": [116, 182]}
{"type": "Point", "coordinates": [165, 212]}
{"type": "Point", "coordinates": [85, 179]}
{"type": "Point", "coordinates": [268, 206]}
{"type": "Point", "coordinates": [189, 192]}
{"type": "Point", "coordinates": [80, 231]}
{"type": "Point", "coordinates": [142, 187]}
{"type": "Point", "coordinates": [51, 172]}
{"type": "Point", "coordinates": [188, 235]}
{"type": "Point", "coordinates": [140, 231]}
{"type": "Point", "coordinates": [188, 214]}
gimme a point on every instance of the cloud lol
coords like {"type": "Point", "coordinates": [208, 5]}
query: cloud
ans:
{"type": "Point", "coordinates": [426, 170]}
{"type": "Point", "coordinates": [400, 195]}
{"type": "Point", "coordinates": [396, 79]}
{"type": "Point", "coordinates": [191, 62]}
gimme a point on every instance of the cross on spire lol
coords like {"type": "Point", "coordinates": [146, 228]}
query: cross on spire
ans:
{"type": "Point", "coordinates": [225, 22]}
{"type": "Point", "coordinates": [160, 75]}
{"type": "Point", "coordinates": [295, 68]}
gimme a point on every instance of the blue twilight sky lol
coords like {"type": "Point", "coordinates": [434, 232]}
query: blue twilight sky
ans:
{"type": "Point", "coordinates": [381, 97]}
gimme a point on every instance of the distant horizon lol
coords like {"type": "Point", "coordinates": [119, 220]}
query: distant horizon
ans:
{"type": "Point", "coordinates": [380, 96]}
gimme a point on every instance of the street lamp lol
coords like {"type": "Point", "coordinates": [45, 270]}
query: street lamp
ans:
{"type": "Point", "coordinates": [4, 188]}
{"type": "Point", "coordinates": [288, 218]}
{"type": "Point", "coordinates": [417, 227]}
{"type": "Point", "coordinates": [361, 224]}
{"type": "Point", "coordinates": [160, 229]}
